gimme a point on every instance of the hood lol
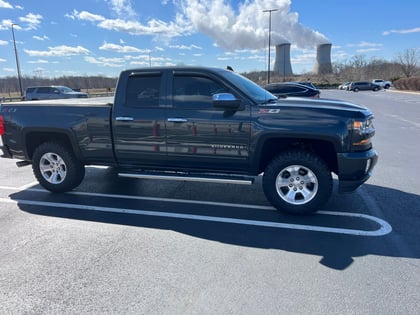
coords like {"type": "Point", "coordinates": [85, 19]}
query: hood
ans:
{"type": "Point", "coordinates": [319, 103]}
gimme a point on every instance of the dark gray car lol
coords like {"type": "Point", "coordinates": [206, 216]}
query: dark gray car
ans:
{"type": "Point", "coordinates": [363, 86]}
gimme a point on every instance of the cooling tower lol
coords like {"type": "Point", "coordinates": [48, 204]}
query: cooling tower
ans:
{"type": "Point", "coordinates": [282, 64]}
{"type": "Point", "coordinates": [323, 59]}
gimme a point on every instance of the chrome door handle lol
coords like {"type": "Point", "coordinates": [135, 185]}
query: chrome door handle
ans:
{"type": "Point", "coordinates": [177, 120]}
{"type": "Point", "coordinates": [124, 118]}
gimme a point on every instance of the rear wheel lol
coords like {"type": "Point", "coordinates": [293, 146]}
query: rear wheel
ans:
{"type": "Point", "coordinates": [297, 182]}
{"type": "Point", "coordinates": [56, 168]}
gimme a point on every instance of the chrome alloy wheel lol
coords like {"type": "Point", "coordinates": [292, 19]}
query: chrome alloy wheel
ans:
{"type": "Point", "coordinates": [296, 184]}
{"type": "Point", "coordinates": [53, 168]}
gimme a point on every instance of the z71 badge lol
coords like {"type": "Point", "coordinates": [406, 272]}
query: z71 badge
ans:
{"type": "Point", "coordinates": [269, 111]}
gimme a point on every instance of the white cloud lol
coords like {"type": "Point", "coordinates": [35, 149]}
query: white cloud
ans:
{"type": "Point", "coordinates": [33, 20]}
{"type": "Point", "coordinates": [3, 43]}
{"type": "Point", "coordinates": [238, 26]}
{"type": "Point", "coordinates": [119, 48]}
{"type": "Point", "coordinates": [122, 8]}
{"type": "Point", "coordinates": [367, 50]}
{"type": "Point", "coordinates": [152, 27]}
{"type": "Point", "coordinates": [7, 24]}
{"type": "Point", "coordinates": [5, 5]}
{"type": "Point", "coordinates": [2, 60]}
{"type": "Point", "coordinates": [184, 47]}
{"type": "Point", "coordinates": [38, 61]}
{"type": "Point", "coordinates": [106, 62]}
{"type": "Point", "coordinates": [366, 45]}
{"type": "Point", "coordinates": [87, 16]}
{"type": "Point", "coordinates": [406, 31]}
{"type": "Point", "coordinates": [58, 51]}
{"type": "Point", "coordinates": [40, 38]}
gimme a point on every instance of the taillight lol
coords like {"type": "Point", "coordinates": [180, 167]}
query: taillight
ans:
{"type": "Point", "coordinates": [1, 126]}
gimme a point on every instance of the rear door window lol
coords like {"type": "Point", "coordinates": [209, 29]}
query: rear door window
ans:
{"type": "Point", "coordinates": [143, 90]}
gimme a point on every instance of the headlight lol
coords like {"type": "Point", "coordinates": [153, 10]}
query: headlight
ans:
{"type": "Point", "coordinates": [362, 131]}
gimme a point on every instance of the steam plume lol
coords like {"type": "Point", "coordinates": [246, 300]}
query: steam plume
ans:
{"type": "Point", "coordinates": [245, 27]}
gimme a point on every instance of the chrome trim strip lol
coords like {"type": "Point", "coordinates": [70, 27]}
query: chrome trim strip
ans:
{"type": "Point", "coordinates": [190, 178]}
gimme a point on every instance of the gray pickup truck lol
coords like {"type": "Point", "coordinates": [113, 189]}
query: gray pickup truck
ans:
{"type": "Point", "coordinates": [198, 124]}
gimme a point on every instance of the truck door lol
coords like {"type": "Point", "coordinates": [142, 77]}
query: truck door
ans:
{"type": "Point", "coordinates": [198, 135]}
{"type": "Point", "coordinates": [139, 119]}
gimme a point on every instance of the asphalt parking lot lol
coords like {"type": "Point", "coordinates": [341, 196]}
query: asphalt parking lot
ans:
{"type": "Point", "coordinates": [119, 245]}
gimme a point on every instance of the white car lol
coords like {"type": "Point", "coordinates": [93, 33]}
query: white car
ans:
{"type": "Point", "coordinates": [344, 86]}
{"type": "Point", "coordinates": [384, 84]}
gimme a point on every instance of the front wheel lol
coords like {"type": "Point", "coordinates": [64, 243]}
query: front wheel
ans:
{"type": "Point", "coordinates": [56, 168]}
{"type": "Point", "coordinates": [297, 182]}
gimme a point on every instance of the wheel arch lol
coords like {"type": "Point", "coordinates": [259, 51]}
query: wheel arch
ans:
{"type": "Point", "coordinates": [35, 138]}
{"type": "Point", "coordinates": [272, 147]}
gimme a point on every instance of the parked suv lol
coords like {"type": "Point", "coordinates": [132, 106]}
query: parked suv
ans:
{"type": "Point", "coordinates": [363, 86]}
{"type": "Point", "coordinates": [384, 84]}
{"type": "Point", "coordinates": [51, 92]}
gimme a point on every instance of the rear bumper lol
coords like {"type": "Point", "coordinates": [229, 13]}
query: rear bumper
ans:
{"type": "Point", "coordinates": [5, 152]}
{"type": "Point", "coordinates": [354, 169]}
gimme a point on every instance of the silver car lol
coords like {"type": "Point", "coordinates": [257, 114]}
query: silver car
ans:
{"type": "Point", "coordinates": [51, 92]}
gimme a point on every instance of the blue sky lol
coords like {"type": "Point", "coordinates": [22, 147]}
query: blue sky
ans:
{"type": "Point", "coordinates": [103, 37]}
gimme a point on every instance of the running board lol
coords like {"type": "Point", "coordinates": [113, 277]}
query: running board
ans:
{"type": "Point", "coordinates": [206, 178]}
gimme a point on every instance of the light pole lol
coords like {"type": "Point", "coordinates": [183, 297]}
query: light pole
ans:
{"type": "Point", "coordinates": [269, 41]}
{"type": "Point", "coordinates": [17, 62]}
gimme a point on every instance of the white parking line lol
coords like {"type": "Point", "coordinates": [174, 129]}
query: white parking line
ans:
{"type": "Point", "coordinates": [188, 201]}
{"type": "Point", "coordinates": [384, 229]}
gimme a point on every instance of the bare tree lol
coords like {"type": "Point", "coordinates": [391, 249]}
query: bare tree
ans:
{"type": "Point", "coordinates": [409, 61]}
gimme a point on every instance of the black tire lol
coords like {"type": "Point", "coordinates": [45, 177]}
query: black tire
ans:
{"type": "Point", "coordinates": [56, 168]}
{"type": "Point", "coordinates": [356, 90]}
{"type": "Point", "coordinates": [375, 89]}
{"type": "Point", "coordinates": [297, 182]}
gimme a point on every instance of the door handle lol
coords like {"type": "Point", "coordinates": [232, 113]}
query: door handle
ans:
{"type": "Point", "coordinates": [124, 118]}
{"type": "Point", "coordinates": [177, 120]}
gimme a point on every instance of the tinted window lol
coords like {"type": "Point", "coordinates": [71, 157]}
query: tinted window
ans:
{"type": "Point", "coordinates": [44, 89]}
{"type": "Point", "coordinates": [296, 89]}
{"type": "Point", "coordinates": [30, 90]}
{"type": "Point", "coordinates": [195, 91]}
{"type": "Point", "coordinates": [284, 88]}
{"type": "Point", "coordinates": [143, 91]}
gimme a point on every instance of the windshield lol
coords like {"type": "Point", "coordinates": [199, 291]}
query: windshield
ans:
{"type": "Point", "coordinates": [253, 90]}
{"type": "Point", "coordinates": [65, 89]}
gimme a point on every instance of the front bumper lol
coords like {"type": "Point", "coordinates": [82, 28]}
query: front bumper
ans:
{"type": "Point", "coordinates": [354, 169]}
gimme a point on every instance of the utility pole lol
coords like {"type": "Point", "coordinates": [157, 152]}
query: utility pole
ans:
{"type": "Point", "coordinates": [269, 41]}
{"type": "Point", "coordinates": [17, 62]}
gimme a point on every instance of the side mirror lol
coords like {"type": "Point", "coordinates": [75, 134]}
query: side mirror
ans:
{"type": "Point", "coordinates": [226, 101]}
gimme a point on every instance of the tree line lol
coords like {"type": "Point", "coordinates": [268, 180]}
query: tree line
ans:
{"type": "Point", "coordinates": [10, 85]}
{"type": "Point", "coordinates": [404, 72]}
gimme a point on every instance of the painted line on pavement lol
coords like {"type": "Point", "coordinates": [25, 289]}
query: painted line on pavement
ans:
{"type": "Point", "coordinates": [385, 227]}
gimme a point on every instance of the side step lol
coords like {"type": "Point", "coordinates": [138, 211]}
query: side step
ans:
{"type": "Point", "coordinates": [206, 178]}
